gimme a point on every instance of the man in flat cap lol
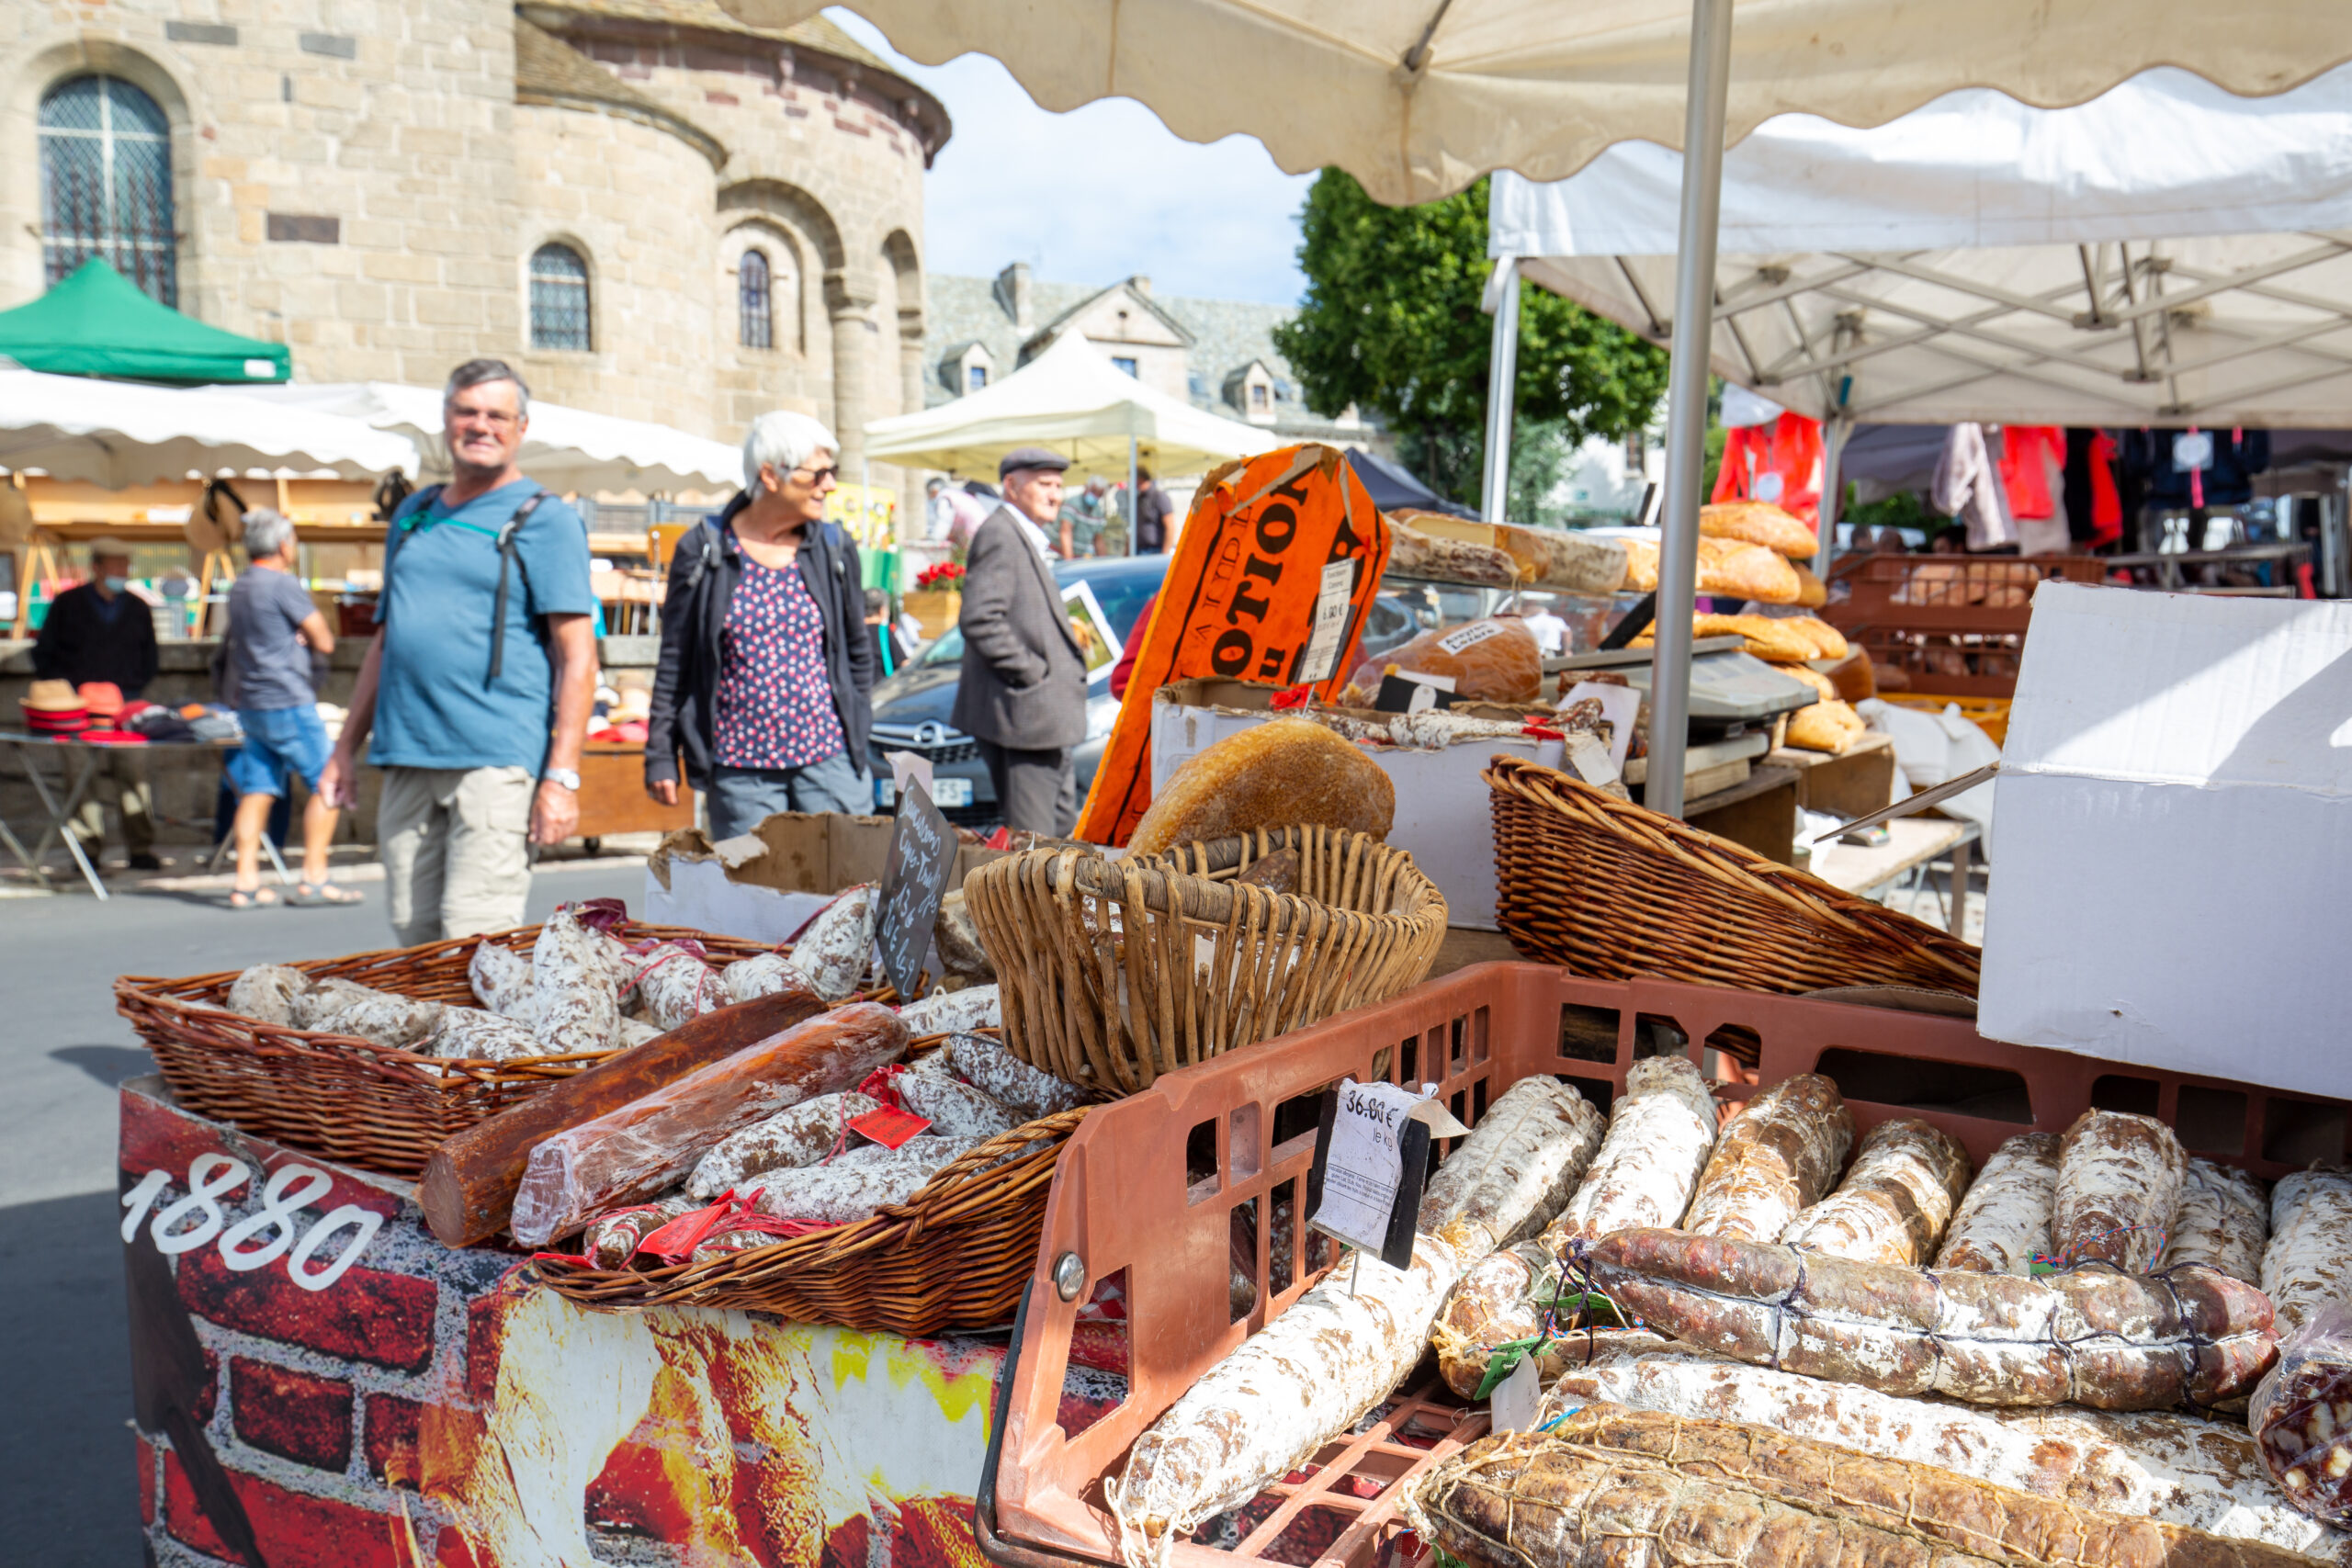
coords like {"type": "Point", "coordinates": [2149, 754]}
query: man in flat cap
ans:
{"type": "Point", "coordinates": [1022, 691]}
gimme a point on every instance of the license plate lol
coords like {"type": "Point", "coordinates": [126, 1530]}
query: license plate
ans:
{"type": "Point", "coordinates": [951, 792]}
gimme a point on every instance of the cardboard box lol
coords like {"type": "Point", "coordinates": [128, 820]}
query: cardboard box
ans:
{"type": "Point", "coordinates": [2177, 837]}
{"type": "Point", "coordinates": [766, 883]}
{"type": "Point", "coordinates": [1445, 812]}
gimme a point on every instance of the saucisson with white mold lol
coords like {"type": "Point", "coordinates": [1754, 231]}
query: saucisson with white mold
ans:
{"type": "Point", "coordinates": [974, 1007]}
{"type": "Point", "coordinates": [2092, 1336]}
{"type": "Point", "coordinates": [801, 1135]}
{"type": "Point", "coordinates": [675, 983]}
{"type": "Point", "coordinates": [1660, 1132]}
{"type": "Point", "coordinates": [635, 1031]}
{"type": "Point", "coordinates": [832, 951]}
{"type": "Point", "coordinates": [268, 993]}
{"type": "Point", "coordinates": [473, 1034]}
{"type": "Point", "coordinates": [2174, 1470]}
{"type": "Point", "coordinates": [384, 1017]}
{"type": "Point", "coordinates": [1894, 1205]}
{"type": "Point", "coordinates": [2119, 1191]}
{"type": "Point", "coordinates": [726, 1244]}
{"type": "Point", "coordinates": [985, 1065]}
{"type": "Point", "coordinates": [613, 1238]}
{"type": "Point", "coordinates": [2307, 1263]}
{"type": "Point", "coordinates": [1501, 1298]}
{"type": "Point", "coordinates": [468, 1184]}
{"type": "Point", "coordinates": [2301, 1416]}
{"type": "Point", "coordinates": [953, 1108]}
{"type": "Point", "coordinates": [1344, 1345]}
{"type": "Point", "coordinates": [501, 980]}
{"type": "Point", "coordinates": [2004, 1222]}
{"type": "Point", "coordinates": [576, 1006]}
{"type": "Point", "coordinates": [761, 975]}
{"type": "Point", "coordinates": [652, 1142]}
{"type": "Point", "coordinates": [1733, 1494]}
{"type": "Point", "coordinates": [2224, 1220]}
{"type": "Point", "coordinates": [847, 1190]}
{"type": "Point", "coordinates": [1778, 1156]}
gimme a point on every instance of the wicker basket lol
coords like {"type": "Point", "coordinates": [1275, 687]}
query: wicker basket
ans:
{"type": "Point", "coordinates": [1614, 891]}
{"type": "Point", "coordinates": [1114, 972]}
{"type": "Point", "coordinates": [954, 1255]}
{"type": "Point", "coordinates": [350, 1099]}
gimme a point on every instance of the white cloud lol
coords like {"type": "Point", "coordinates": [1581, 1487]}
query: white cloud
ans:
{"type": "Point", "coordinates": [1098, 194]}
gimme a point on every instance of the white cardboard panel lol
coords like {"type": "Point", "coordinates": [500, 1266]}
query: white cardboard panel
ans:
{"type": "Point", "coordinates": [2177, 836]}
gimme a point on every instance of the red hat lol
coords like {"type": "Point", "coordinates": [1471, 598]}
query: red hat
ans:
{"type": "Point", "coordinates": [104, 698]}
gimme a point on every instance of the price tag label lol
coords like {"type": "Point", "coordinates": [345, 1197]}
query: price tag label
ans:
{"type": "Point", "coordinates": [1470, 635]}
{"type": "Point", "coordinates": [1331, 604]}
{"type": "Point", "coordinates": [1372, 1155]}
{"type": "Point", "coordinates": [1516, 1397]}
{"type": "Point", "coordinates": [889, 1126]}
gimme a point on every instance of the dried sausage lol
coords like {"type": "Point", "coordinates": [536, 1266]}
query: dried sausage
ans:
{"type": "Point", "coordinates": [2004, 1222]}
{"type": "Point", "coordinates": [1777, 1157]}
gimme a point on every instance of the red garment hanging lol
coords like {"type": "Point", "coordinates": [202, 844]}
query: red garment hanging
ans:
{"type": "Point", "coordinates": [2106, 506]}
{"type": "Point", "coordinates": [2025, 467]}
{"type": "Point", "coordinates": [1779, 463]}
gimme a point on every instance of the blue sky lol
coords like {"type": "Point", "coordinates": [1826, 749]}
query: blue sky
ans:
{"type": "Point", "coordinates": [1124, 193]}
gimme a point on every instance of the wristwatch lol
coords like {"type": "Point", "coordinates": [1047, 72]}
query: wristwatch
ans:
{"type": "Point", "coordinates": [568, 777]}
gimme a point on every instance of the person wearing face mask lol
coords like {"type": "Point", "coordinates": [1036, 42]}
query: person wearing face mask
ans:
{"type": "Point", "coordinates": [1022, 691]}
{"type": "Point", "coordinates": [766, 667]}
{"type": "Point", "coordinates": [101, 631]}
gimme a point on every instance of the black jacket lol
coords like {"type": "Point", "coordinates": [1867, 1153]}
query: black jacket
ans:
{"type": "Point", "coordinates": [703, 575]}
{"type": "Point", "coordinates": [79, 642]}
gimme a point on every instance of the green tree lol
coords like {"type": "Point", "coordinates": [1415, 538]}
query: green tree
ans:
{"type": "Point", "coordinates": [1391, 323]}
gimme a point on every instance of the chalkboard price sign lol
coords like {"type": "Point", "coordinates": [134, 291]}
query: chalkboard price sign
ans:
{"type": "Point", "coordinates": [923, 857]}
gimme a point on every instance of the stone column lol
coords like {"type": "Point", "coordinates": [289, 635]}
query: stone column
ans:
{"type": "Point", "coordinates": [912, 521]}
{"type": "Point", "coordinates": [852, 317]}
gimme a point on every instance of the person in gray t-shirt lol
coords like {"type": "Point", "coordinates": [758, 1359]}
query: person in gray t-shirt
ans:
{"type": "Point", "coordinates": [273, 629]}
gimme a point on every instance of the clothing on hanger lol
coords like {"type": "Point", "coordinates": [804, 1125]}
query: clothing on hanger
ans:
{"type": "Point", "coordinates": [1778, 462]}
{"type": "Point", "coordinates": [1967, 485]}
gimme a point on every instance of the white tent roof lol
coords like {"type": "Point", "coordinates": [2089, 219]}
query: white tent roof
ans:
{"type": "Point", "coordinates": [1077, 403]}
{"type": "Point", "coordinates": [565, 449]}
{"type": "Point", "coordinates": [1419, 97]}
{"type": "Point", "coordinates": [118, 433]}
{"type": "Point", "coordinates": [2166, 253]}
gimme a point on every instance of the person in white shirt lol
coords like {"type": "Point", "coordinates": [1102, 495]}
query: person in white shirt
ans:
{"type": "Point", "coordinates": [1551, 632]}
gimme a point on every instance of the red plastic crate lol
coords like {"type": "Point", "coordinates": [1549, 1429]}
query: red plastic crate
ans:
{"type": "Point", "coordinates": [1131, 1207]}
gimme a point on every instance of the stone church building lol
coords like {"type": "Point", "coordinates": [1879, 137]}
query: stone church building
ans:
{"type": "Point", "coordinates": [652, 209]}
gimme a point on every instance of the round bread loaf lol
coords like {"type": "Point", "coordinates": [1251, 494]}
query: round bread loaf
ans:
{"type": "Point", "coordinates": [1288, 771]}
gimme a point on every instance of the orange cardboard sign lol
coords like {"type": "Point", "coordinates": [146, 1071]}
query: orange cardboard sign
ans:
{"type": "Point", "coordinates": [1273, 574]}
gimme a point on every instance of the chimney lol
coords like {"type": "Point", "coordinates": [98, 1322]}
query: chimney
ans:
{"type": "Point", "coordinates": [1013, 293]}
{"type": "Point", "coordinates": [1141, 285]}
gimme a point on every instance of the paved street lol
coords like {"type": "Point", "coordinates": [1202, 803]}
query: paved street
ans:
{"type": "Point", "coordinates": [67, 1497]}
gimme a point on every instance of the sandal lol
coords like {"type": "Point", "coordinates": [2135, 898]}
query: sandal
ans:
{"type": "Point", "coordinates": [310, 896]}
{"type": "Point", "coordinates": [252, 897]}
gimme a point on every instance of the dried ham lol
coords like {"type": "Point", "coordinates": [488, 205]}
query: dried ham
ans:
{"type": "Point", "coordinates": [576, 1002]}
{"type": "Point", "coordinates": [2301, 1416]}
{"type": "Point", "coordinates": [800, 1135]}
{"type": "Point", "coordinates": [2224, 1220]}
{"type": "Point", "coordinates": [2092, 1336]}
{"type": "Point", "coordinates": [984, 1062]}
{"type": "Point", "coordinates": [1895, 1202]}
{"type": "Point", "coordinates": [2004, 1222]}
{"type": "Point", "coordinates": [268, 993]}
{"type": "Point", "coordinates": [1775, 1158]}
{"type": "Point", "coordinates": [2308, 1263]}
{"type": "Point", "coordinates": [2119, 1189]}
{"type": "Point", "coordinates": [651, 1143]}
{"type": "Point", "coordinates": [2177, 1470]}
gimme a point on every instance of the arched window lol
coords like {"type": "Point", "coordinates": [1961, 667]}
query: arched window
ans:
{"type": "Point", "coordinates": [559, 299]}
{"type": "Point", "coordinates": [106, 175]}
{"type": "Point", "coordinates": [754, 296]}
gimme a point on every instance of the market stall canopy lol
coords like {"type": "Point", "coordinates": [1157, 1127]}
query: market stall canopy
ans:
{"type": "Point", "coordinates": [1419, 97]}
{"type": "Point", "coordinates": [566, 449]}
{"type": "Point", "coordinates": [1077, 403]}
{"type": "Point", "coordinates": [1392, 486]}
{"type": "Point", "coordinates": [93, 323]}
{"type": "Point", "coordinates": [2167, 254]}
{"type": "Point", "coordinates": [117, 434]}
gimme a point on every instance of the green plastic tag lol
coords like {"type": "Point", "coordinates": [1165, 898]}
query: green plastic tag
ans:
{"type": "Point", "coordinates": [1505, 1361]}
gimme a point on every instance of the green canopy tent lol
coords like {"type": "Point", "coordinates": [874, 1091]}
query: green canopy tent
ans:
{"type": "Point", "coordinates": [96, 323]}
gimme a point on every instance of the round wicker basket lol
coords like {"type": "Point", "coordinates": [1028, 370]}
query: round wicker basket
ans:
{"type": "Point", "coordinates": [1114, 972]}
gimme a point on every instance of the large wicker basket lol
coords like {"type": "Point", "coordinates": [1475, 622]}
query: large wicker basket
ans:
{"type": "Point", "coordinates": [1612, 890]}
{"type": "Point", "coordinates": [954, 1255]}
{"type": "Point", "coordinates": [1114, 972]}
{"type": "Point", "coordinates": [350, 1099]}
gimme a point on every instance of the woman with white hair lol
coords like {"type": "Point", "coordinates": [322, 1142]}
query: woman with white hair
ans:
{"type": "Point", "coordinates": [763, 687]}
{"type": "Point", "coordinates": [267, 673]}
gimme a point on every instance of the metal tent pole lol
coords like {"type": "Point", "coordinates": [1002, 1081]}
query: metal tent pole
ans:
{"type": "Point", "coordinates": [1134, 505]}
{"type": "Point", "coordinates": [1685, 399]}
{"type": "Point", "coordinates": [1503, 388]}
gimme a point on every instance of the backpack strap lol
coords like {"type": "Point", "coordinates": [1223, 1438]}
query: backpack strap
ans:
{"type": "Point", "coordinates": [506, 556]}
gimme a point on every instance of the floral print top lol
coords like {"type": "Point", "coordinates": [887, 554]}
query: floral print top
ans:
{"type": "Point", "coordinates": [775, 704]}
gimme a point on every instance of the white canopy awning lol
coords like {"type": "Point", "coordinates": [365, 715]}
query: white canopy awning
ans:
{"type": "Point", "coordinates": [1419, 97]}
{"type": "Point", "coordinates": [1075, 401]}
{"type": "Point", "coordinates": [565, 449]}
{"type": "Point", "coordinates": [120, 434]}
{"type": "Point", "coordinates": [2165, 253]}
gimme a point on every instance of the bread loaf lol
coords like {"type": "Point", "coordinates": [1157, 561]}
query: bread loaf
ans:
{"type": "Point", "coordinates": [1827, 726]}
{"type": "Point", "coordinates": [1495, 659]}
{"type": "Point", "coordinates": [1284, 772]}
{"type": "Point", "coordinates": [1758, 522]}
{"type": "Point", "coordinates": [268, 993]}
{"type": "Point", "coordinates": [1412, 553]}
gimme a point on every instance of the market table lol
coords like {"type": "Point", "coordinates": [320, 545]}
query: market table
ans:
{"type": "Point", "coordinates": [77, 763]}
{"type": "Point", "coordinates": [1911, 841]}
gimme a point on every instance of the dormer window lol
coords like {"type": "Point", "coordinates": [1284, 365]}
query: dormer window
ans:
{"type": "Point", "coordinates": [1261, 397]}
{"type": "Point", "coordinates": [975, 378]}
{"type": "Point", "coordinates": [969, 369]}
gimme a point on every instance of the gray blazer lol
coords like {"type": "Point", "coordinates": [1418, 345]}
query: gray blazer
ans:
{"type": "Point", "coordinates": [1024, 684]}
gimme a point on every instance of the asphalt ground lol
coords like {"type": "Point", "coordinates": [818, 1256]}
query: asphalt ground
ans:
{"type": "Point", "coordinates": [68, 1493]}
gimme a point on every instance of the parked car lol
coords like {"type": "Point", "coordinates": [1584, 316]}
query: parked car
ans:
{"type": "Point", "coordinates": [911, 709]}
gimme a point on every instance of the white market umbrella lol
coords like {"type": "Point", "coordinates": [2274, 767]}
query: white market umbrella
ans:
{"type": "Point", "coordinates": [120, 434]}
{"type": "Point", "coordinates": [568, 450]}
{"type": "Point", "coordinates": [1073, 400]}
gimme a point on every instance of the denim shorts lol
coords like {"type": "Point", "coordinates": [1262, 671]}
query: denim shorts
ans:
{"type": "Point", "coordinates": [278, 741]}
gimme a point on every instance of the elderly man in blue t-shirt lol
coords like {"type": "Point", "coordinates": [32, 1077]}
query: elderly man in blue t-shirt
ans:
{"type": "Point", "coordinates": [479, 683]}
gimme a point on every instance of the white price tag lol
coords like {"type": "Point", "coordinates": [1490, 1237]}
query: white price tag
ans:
{"type": "Point", "coordinates": [1470, 635]}
{"type": "Point", "coordinates": [1330, 621]}
{"type": "Point", "coordinates": [1365, 1165]}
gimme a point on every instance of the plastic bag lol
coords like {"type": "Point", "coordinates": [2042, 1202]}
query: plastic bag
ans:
{"type": "Point", "coordinates": [2300, 1417]}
